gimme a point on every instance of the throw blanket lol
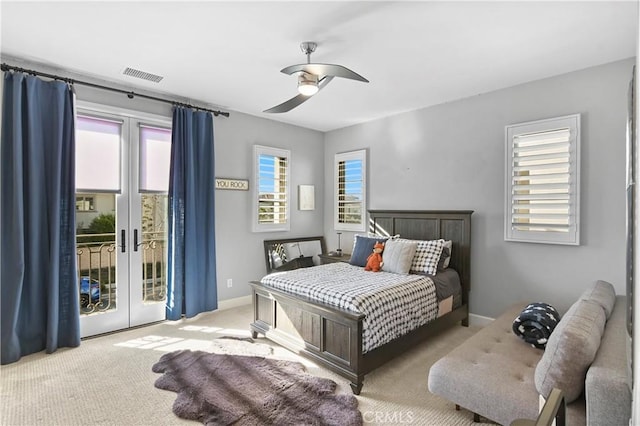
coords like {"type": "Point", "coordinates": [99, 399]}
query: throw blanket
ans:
{"type": "Point", "coordinates": [393, 304]}
{"type": "Point", "coordinates": [535, 324]}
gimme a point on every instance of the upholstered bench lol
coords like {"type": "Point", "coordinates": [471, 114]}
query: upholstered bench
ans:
{"type": "Point", "coordinates": [495, 374]}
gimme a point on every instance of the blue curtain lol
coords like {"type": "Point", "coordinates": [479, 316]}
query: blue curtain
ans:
{"type": "Point", "coordinates": [38, 280]}
{"type": "Point", "coordinates": [191, 283]}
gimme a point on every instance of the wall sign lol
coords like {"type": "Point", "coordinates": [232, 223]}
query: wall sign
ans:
{"type": "Point", "coordinates": [232, 184]}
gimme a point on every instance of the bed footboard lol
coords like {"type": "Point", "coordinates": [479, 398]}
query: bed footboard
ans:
{"type": "Point", "coordinates": [330, 336]}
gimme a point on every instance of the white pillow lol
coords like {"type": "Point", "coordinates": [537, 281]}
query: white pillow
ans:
{"type": "Point", "coordinates": [398, 255]}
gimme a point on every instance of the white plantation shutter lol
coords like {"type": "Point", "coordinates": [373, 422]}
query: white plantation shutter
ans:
{"type": "Point", "coordinates": [542, 197]}
{"type": "Point", "coordinates": [271, 210]}
{"type": "Point", "coordinates": [350, 191]}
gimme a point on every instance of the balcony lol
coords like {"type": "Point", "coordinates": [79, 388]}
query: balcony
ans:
{"type": "Point", "coordinates": [97, 278]}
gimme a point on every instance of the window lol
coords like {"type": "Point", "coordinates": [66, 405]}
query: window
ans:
{"type": "Point", "coordinates": [350, 191]}
{"type": "Point", "coordinates": [85, 203]}
{"type": "Point", "coordinates": [543, 185]}
{"type": "Point", "coordinates": [271, 207]}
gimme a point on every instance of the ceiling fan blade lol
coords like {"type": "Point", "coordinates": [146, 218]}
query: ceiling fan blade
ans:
{"type": "Point", "coordinates": [287, 106]}
{"type": "Point", "coordinates": [298, 99]}
{"type": "Point", "coordinates": [325, 69]}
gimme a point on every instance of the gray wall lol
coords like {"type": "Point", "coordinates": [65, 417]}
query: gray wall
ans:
{"type": "Point", "coordinates": [240, 251]}
{"type": "Point", "coordinates": [452, 156]}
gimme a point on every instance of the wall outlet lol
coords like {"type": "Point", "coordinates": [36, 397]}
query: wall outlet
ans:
{"type": "Point", "coordinates": [229, 283]}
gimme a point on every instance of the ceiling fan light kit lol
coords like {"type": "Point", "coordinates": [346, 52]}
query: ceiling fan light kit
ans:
{"type": "Point", "coordinates": [307, 84]}
{"type": "Point", "coordinates": [312, 78]}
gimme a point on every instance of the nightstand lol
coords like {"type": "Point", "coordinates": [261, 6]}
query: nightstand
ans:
{"type": "Point", "coordinates": [325, 258]}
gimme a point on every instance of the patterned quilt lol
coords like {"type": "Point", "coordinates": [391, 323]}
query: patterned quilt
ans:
{"type": "Point", "coordinates": [393, 304]}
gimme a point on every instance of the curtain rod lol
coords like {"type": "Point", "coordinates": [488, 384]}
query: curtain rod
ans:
{"type": "Point", "coordinates": [130, 95]}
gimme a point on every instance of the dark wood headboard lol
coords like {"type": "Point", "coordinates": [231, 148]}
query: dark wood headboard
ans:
{"type": "Point", "coordinates": [454, 225]}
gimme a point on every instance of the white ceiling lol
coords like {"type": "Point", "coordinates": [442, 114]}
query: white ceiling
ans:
{"type": "Point", "coordinates": [229, 54]}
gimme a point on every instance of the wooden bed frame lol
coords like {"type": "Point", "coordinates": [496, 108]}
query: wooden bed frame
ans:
{"type": "Point", "coordinates": [332, 336]}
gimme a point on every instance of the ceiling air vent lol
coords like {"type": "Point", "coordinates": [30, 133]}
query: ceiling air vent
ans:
{"type": "Point", "coordinates": [143, 75]}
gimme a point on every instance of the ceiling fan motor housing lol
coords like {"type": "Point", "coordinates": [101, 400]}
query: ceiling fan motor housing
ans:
{"type": "Point", "coordinates": [308, 47]}
{"type": "Point", "coordinates": [306, 78]}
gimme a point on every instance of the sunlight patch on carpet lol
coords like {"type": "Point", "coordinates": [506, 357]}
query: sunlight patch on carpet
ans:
{"type": "Point", "coordinates": [201, 329]}
{"type": "Point", "coordinates": [165, 343]}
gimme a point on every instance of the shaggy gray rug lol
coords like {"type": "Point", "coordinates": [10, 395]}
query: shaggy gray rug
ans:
{"type": "Point", "coordinates": [223, 389]}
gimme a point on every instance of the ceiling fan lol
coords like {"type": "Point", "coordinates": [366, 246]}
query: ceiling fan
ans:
{"type": "Point", "coordinates": [312, 78]}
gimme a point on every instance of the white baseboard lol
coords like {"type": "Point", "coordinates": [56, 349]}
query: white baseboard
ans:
{"type": "Point", "coordinates": [479, 320]}
{"type": "Point", "coordinates": [234, 303]}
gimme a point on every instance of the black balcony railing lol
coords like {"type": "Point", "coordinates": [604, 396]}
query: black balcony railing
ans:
{"type": "Point", "coordinates": [97, 278]}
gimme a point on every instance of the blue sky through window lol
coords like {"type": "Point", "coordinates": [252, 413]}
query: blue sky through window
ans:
{"type": "Point", "coordinates": [353, 177]}
{"type": "Point", "coordinates": [267, 167]}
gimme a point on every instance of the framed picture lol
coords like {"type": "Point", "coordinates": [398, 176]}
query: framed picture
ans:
{"type": "Point", "coordinates": [306, 197]}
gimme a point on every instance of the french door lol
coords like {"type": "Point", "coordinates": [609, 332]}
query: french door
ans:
{"type": "Point", "coordinates": [122, 177]}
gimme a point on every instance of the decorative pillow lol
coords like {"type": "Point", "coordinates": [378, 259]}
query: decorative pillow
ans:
{"type": "Point", "coordinates": [602, 293]}
{"type": "Point", "coordinates": [571, 350]}
{"type": "Point", "coordinates": [398, 255]}
{"type": "Point", "coordinates": [427, 256]}
{"type": "Point", "coordinates": [276, 260]}
{"type": "Point", "coordinates": [362, 248]}
{"type": "Point", "coordinates": [535, 324]}
{"type": "Point", "coordinates": [445, 257]}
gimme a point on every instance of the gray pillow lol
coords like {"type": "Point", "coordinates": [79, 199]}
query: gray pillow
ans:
{"type": "Point", "coordinates": [602, 293]}
{"type": "Point", "coordinates": [398, 255]}
{"type": "Point", "coordinates": [445, 257]}
{"type": "Point", "coordinates": [570, 350]}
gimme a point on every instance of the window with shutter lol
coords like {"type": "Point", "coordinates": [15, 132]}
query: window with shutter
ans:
{"type": "Point", "coordinates": [543, 185]}
{"type": "Point", "coordinates": [271, 207]}
{"type": "Point", "coordinates": [350, 191]}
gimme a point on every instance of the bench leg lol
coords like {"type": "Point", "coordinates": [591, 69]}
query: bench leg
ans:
{"type": "Point", "coordinates": [476, 416]}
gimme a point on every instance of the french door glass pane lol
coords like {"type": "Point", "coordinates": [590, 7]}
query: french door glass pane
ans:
{"type": "Point", "coordinates": [96, 251]}
{"type": "Point", "coordinates": [154, 247]}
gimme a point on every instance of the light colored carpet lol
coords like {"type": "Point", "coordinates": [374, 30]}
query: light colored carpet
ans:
{"type": "Point", "coordinates": [108, 379]}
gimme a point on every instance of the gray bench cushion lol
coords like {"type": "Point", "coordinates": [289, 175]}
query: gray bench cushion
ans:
{"type": "Point", "coordinates": [571, 350]}
{"type": "Point", "coordinates": [602, 293]}
{"type": "Point", "coordinates": [491, 373]}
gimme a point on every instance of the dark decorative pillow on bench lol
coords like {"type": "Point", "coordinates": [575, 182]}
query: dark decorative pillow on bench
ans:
{"type": "Point", "coordinates": [535, 324]}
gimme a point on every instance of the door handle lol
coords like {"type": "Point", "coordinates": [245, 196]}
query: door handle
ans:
{"type": "Point", "coordinates": [135, 240]}
{"type": "Point", "coordinates": [123, 238]}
